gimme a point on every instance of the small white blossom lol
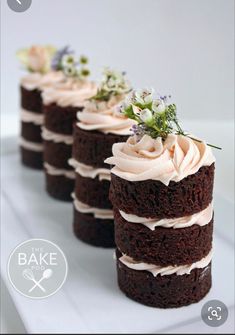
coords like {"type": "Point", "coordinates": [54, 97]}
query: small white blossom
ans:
{"type": "Point", "coordinates": [70, 70]}
{"type": "Point", "coordinates": [146, 115]}
{"type": "Point", "coordinates": [68, 60]}
{"type": "Point", "coordinates": [158, 106]}
{"type": "Point", "coordinates": [114, 81]}
{"type": "Point", "coordinates": [144, 96]}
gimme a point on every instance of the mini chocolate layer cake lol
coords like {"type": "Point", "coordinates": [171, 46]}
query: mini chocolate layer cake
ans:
{"type": "Point", "coordinates": [163, 246]}
{"type": "Point", "coordinates": [31, 101]}
{"type": "Point", "coordinates": [166, 291]}
{"type": "Point", "coordinates": [93, 147]}
{"type": "Point", "coordinates": [32, 159]}
{"type": "Point", "coordinates": [96, 232]}
{"type": "Point", "coordinates": [150, 197]}
{"type": "Point", "coordinates": [60, 119]}
{"type": "Point", "coordinates": [59, 187]}
{"type": "Point", "coordinates": [57, 154]}
{"type": "Point", "coordinates": [93, 192]}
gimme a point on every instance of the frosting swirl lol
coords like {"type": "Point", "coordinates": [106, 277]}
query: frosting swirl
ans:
{"type": "Point", "coordinates": [171, 160]}
{"type": "Point", "coordinates": [104, 117]}
{"type": "Point", "coordinates": [69, 92]}
{"type": "Point", "coordinates": [36, 80]}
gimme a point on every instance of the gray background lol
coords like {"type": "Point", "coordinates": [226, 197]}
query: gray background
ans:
{"type": "Point", "coordinates": [181, 47]}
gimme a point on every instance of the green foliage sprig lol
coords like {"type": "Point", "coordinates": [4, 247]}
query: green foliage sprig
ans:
{"type": "Point", "coordinates": [154, 117]}
{"type": "Point", "coordinates": [113, 83]}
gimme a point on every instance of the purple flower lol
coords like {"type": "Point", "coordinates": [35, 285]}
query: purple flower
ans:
{"type": "Point", "coordinates": [56, 60]}
{"type": "Point", "coordinates": [138, 129]}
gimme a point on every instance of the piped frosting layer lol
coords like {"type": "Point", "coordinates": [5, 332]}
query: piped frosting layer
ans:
{"type": "Point", "coordinates": [168, 270]}
{"type": "Point", "coordinates": [98, 213]}
{"type": "Point", "coordinates": [70, 92]}
{"type": "Point", "coordinates": [171, 160]}
{"type": "Point", "coordinates": [54, 171]}
{"type": "Point", "coordinates": [49, 135]}
{"type": "Point", "coordinates": [35, 118]}
{"type": "Point", "coordinates": [89, 171]}
{"type": "Point", "coordinates": [103, 116]}
{"type": "Point", "coordinates": [202, 218]}
{"type": "Point", "coordinates": [33, 146]}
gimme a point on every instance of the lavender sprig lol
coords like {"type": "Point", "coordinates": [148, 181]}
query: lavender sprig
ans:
{"type": "Point", "coordinates": [56, 63]}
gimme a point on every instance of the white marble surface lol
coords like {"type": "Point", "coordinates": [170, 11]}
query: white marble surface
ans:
{"type": "Point", "coordinates": [83, 304]}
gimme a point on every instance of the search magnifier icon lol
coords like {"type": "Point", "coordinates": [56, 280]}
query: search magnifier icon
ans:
{"type": "Point", "coordinates": [214, 313]}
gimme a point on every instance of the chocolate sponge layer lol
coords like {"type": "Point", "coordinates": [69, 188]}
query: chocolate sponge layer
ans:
{"type": "Point", "coordinates": [32, 159]}
{"type": "Point", "coordinates": [93, 192]}
{"type": "Point", "coordinates": [96, 232]}
{"type": "Point", "coordinates": [31, 100]}
{"type": "Point", "coordinates": [151, 198]}
{"type": "Point", "coordinates": [31, 132]}
{"type": "Point", "coordinates": [59, 187]}
{"type": "Point", "coordinates": [93, 147]}
{"type": "Point", "coordinates": [57, 154]}
{"type": "Point", "coordinates": [60, 119]}
{"type": "Point", "coordinates": [163, 246]}
{"type": "Point", "coordinates": [163, 291]}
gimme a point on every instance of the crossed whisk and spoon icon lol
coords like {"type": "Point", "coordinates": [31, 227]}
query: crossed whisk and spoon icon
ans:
{"type": "Point", "coordinates": [28, 274]}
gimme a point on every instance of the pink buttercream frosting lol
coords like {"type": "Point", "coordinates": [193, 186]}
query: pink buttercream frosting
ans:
{"type": "Point", "coordinates": [69, 92]}
{"type": "Point", "coordinates": [103, 116]}
{"type": "Point", "coordinates": [171, 160]}
{"type": "Point", "coordinates": [36, 80]}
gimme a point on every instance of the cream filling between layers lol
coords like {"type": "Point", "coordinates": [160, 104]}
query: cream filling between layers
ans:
{"type": "Point", "coordinates": [28, 116]}
{"type": "Point", "coordinates": [33, 146]}
{"type": "Point", "coordinates": [89, 171]}
{"type": "Point", "coordinates": [202, 218]}
{"type": "Point", "coordinates": [167, 270]}
{"type": "Point", "coordinates": [98, 213]}
{"type": "Point", "coordinates": [58, 172]}
{"type": "Point", "coordinates": [49, 135]}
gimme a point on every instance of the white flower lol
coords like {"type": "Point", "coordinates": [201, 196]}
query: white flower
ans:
{"type": "Point", "coordinates": [159, 105]}
{"type": "Point", "coordinates": [146, 115]}
{"type": "Point", "coordinates": [136, 110]}
{"type": "Point", "coordinates": [123, 106]}
{"type": "Point", "coordinates": [37, 58]}
{"type": "Point", "coordinates": [68, 60]}
{"type": "Point", "coordinates": [114, 81]}
{"type": "Point", "coordinates": [130, 98]}
{"type": "Point", "coordinates": [143, 96]}
{"type": "Point", "coordinates": [70, 71]}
